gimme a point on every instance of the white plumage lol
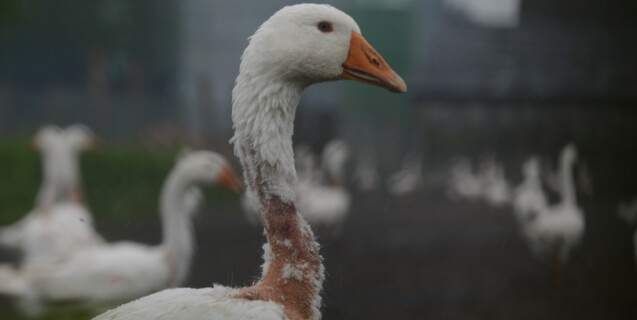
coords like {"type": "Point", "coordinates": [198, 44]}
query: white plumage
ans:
{"type": "Point", "coordinates": [554, 231]}
{"type": "Point", "coordinates": [196, 304]}
{"type": "Point", "coordinates": [102, 276]}
{"type": "Point", "coordinates": [529, 199]}
{"type": "Point", "coordinates": [495, 188]}
{"type": "Point", "coordinates": [408, 178]}
{"type": "Point", "coordinates": [298, 46]}
{"type": "Point", "coordinates": [60, 223]}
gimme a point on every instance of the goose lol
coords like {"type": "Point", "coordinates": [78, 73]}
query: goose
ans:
{"type": "Point", "coordinates": [557, 229]}
{"type": "Point", "coordinates": [366, 174]}
{"type": "Point", "coordinates": [464, 182]}
{"type": "Point", "coordinates": [297, 46]}
{"type": "Point", "coordinates": [495, 188]}
{"type": "Point", "coordinates": [60, 222]}
{"type": "Point", "coordinates": [105, 276]}
{"type": "Point", "coordinates": [307, 174]}
{"type": "Point", "coordinates": [627, 211]}
{"type": "Point", "coordinates": [408, 178]}
{"type": "Point", "coordinates": [324, 202]}
{"type": "Point", "coordinates": [322, 198]}
{"type": "Point", "coordinates": [528, 198]}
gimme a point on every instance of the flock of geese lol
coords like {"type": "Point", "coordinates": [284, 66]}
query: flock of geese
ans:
{"type": "Point", "coordinates": [551, 231]}
{"type": "Point", "coordinates": [66, 260]}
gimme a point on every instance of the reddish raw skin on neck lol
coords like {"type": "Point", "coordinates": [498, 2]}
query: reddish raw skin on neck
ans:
{"type": "Point", "coordinates": [281, 223]}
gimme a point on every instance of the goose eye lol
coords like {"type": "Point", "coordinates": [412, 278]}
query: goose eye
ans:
{"type": "Point", "coordinates": [324, 26]}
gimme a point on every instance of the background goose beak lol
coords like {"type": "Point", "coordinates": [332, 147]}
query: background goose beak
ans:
{"type": "Point", "coordinates": [228, 179]}
{"type": "Point", "coordinates": [366, 65]}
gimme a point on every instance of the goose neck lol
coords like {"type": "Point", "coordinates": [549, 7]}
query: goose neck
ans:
{"type": "Point", "coordinates": [176, 227]}
{"type": "Point", "coordinates": [566, 175]}
{"type": "Point", "coordinates": [263, 118]}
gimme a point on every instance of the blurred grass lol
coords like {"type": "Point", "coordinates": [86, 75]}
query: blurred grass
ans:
{"type": "Point", "coordinates": [119, 181]}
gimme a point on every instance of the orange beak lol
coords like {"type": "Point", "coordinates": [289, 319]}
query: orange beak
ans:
{"type": "Point", "coordinates": [94, 145]}
{"type": "Point", "coordinates": [364, 64]}
{"type": "Point", "coordinates": [228, 179]}
{"type": "Point", "coordinates": [33, 145]}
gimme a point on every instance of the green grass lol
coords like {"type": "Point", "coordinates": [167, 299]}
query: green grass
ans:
{"type": "Point", "coordinates": [120, 182]}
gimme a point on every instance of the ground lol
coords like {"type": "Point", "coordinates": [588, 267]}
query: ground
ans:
{"type": "Point", "coordinates": [423, 256]}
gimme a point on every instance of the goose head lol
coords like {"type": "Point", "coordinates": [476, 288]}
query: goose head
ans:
{"type": "Point", "coordinates": [46, 137]}
{"type": "Point", "coordinates": [531, 168]}
{"type": "Point", "coordinates": [80, 137]}
{"type": "Point", "coordinates": [309, 43]}
{"type": "Point", "coordinates": [569, 153]}
{"type": "Point", "coordinates": [205, 168]}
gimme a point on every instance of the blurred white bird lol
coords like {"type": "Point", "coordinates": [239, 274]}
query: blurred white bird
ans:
{"type": "Point", "coordinates": [366, 174]}
{"type": "Point", "coordinates": [464, 182]}
{"type": "Point", "coordinates": [103, 276]}
{"type": "Point", "coordinates": [408, 178]}
{"type": "Point", "coordinates": [627, 211]}
{"type": "Point", "coordinates": [529, 199]}
{"type": "Point", "coordinates": [495, 188]}
{"type": "Point", "coordinates": [325, 203]}
{"type": "Point", "coordinates": [557, 229]}
{"type": "Point", "coordinates": [322, 198]}
{"type": "Point", "coordinates": [60, 222]}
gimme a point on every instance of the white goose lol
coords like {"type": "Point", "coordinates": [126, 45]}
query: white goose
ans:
{"type": "Point", "coordinates": [627, 211]}
{"type": "Point", "coordinates": [528, 198]}
{"type": "Point", "coordinates": [104, 276]}
{"type": "Point", "coordinates": [495, 188]}
{"type": "Point", "coordinates": [298, 46]}
{"type": "Point", "coordinates": [325, 202]}
{"type": "Point", "coordinates": [557, 229]}
{"type": "Point", "coordinates": [60, 222]}
{"type": "Point", "coordinates": [408, 178]}
{"type": "Point", "coordinates": [464, 182]}
{"type": "Point", "coordinates": [366, 174]}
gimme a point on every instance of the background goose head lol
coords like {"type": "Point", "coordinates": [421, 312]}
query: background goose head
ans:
{"type": "Point", "coordinates": [309, 43]}
{"type": "Point", "coordinates": [46, 137]}
{"type": "Point", "coordinates": [80, 137]}
{"type": "Point", "coordinates": [569, 153]}
{"type": "Point", "coordinates": [531, 168]}
{"type": "Point", "coordinates": [205, 168]}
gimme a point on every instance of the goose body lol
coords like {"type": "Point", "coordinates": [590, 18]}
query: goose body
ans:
{"type": "Point", "coordinates": [627, 211]}
{"type": "Point", "coordinates": [106, 275]}
{"type": "Point", "coordinates": [464, 182]}
{"type": "Point", "coordinates": [408, 178]}
{"type": "Point", "coordinates": [529, 199]}
{"type": "Point", "coordinates": [557, 229]}
{"type": "Point", "coordinates": [496, 190]}
{"type": "Point", "coordinates": [60, 223]}
{"type": "Point", "coordinates": [299, 45]}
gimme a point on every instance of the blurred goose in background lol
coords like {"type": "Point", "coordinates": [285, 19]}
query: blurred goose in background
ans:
{"type": "Point", "coordinates": [557, 229]}
{"type": "Point", "coordinates": [464, 182]}
{"type": "Point", "coordinates": [307, 173]}
{"type": "Point", "coordinates": [366, 174]}
{"type": "Point", "coordinates": [408, 178]}
{"type": "Point", "coordinates": [528, 198]}
{"type": "Point", "coordinates": [627, 211]}
{"type": "Point", "coordinates": [326, 202]}
{"type": "Point", "coordinates": [106, 275]}
{"type": "Point", "coordinates": [322, 198]}
{"type": "Point", "coordinates": [495, 188]}
{"type": "Point", "coordinates": [296, 47]}
{"type": "Point", "coordinates": [60, 222]}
